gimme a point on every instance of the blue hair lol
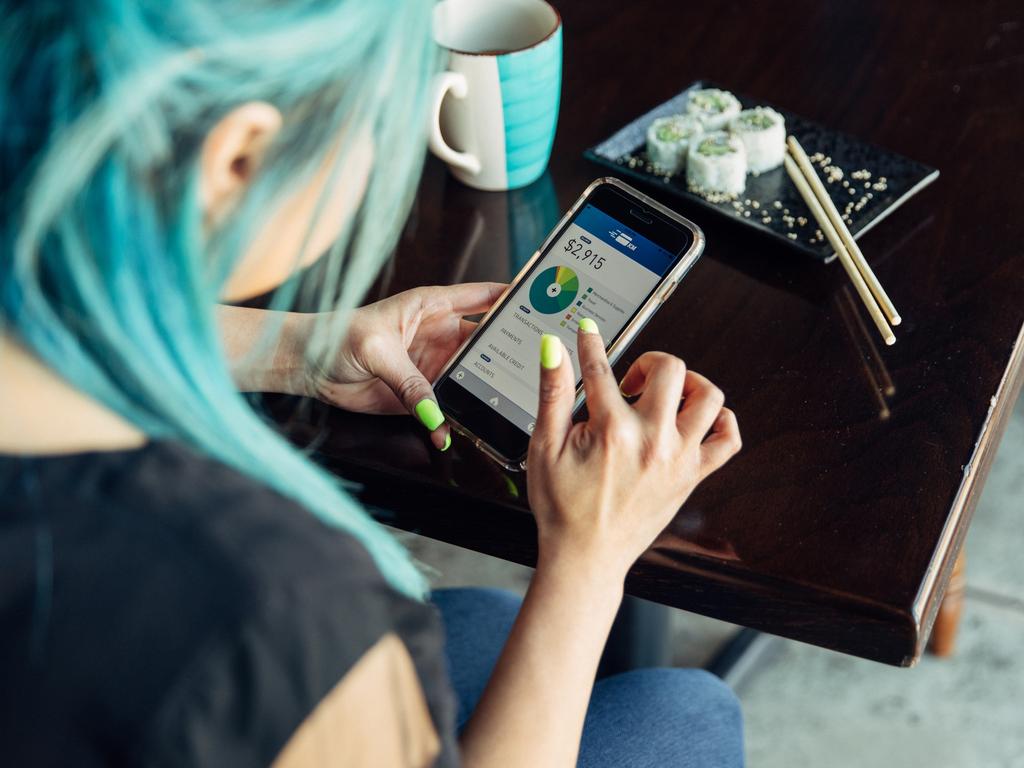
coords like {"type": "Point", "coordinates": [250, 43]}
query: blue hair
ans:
{"type": "Point", "coordinates": [107, 272]}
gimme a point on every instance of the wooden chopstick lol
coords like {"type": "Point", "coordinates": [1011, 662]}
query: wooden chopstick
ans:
{"type": "Point", "coordinates": [840, 248]}
{"type": "Point", "coordinates": [844, 234]}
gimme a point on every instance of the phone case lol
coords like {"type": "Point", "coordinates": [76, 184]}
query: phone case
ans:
{"type": "Point", "coordinates": [660, 294]}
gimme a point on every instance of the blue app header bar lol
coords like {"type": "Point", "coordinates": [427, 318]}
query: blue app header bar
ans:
{"type": "Point", "coordinates": [625, 240]}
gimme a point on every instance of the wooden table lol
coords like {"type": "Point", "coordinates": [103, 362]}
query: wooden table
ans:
{"type": "Point", "coordinates": [841, 520]}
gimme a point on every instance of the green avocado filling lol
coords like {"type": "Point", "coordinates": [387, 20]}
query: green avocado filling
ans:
{"type": "Point", "coordinates": [760, 120]}
{"type": "Point", "coordinates": [711, 101]}
{"type": "Point", "coordinates": [715, 145]}
{"type": "Point", "coordinates": [672, 130]}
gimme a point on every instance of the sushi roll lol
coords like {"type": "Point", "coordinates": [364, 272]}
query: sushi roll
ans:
{"type": "Point", "coordinates": [668, 141]}
{"type": "Point", "coordinates": [717, 163]}
{"type": "Point", "coordinates": [713, 107]}
{"type": "Point", "coordinates": [763, 132]}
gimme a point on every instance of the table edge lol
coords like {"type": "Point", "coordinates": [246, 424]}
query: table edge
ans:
{"type": "Point", "coordinates": [926, 604]}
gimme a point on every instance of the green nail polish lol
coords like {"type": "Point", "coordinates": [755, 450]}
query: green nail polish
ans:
{"type": "Point", "coordinates": [447, 442]}
{"type": "Point", "coordinates": [588, 326]}
{"type": "Point", "coordinates": [429, 414]}
{"type": "Point", "coordinates": [550, 351]}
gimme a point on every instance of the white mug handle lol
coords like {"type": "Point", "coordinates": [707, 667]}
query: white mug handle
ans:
{"type": "Point", "coordinates": [457, 84]}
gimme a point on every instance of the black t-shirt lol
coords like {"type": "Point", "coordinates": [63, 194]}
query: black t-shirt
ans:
{"type": "Point", "coordinates": [158, 608]}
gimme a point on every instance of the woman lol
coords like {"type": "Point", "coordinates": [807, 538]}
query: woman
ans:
{"type": "Point", "coordinates": [179, 585]}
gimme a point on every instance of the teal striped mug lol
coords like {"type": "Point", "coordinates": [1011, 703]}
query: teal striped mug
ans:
{"type": "Point", "coordinates": [496, 106]}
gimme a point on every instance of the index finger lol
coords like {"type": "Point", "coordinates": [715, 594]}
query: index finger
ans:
{"type": "Point", "coordinates": [555, 398]}
{"type": "Point", "coordinates": [603, 396]}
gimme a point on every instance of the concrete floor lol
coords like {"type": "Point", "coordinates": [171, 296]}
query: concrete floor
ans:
{"type": "Point", "coordinates": [805, 706]}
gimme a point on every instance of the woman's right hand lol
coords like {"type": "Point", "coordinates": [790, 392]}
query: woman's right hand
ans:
{"type": "Point", "coordinates": [603, 489]}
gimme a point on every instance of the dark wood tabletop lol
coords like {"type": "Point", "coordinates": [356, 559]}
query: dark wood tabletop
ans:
{"type": "Point", "coordinates": [840, 520]}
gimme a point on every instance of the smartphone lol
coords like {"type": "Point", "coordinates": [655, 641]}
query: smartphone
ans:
{"type": "Point", "coordinates": [616, 256]}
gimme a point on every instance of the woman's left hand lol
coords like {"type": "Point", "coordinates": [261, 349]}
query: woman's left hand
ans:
{"type": "Point", "coordinates": [395, 347]}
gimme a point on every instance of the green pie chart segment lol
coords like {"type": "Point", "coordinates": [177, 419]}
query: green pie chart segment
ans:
{"type": "Point", "coordinates": [554, 290]}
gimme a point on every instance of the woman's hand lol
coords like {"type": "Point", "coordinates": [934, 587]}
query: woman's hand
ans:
{"type": "Point", "coordinates": [603, 489]}
{"type": "Point", "coordinates": [601, 492]}
{"type": "Point", "coordinates": [393, 349]}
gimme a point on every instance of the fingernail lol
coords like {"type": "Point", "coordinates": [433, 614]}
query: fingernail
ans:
{"type": "Point", "coordinates": [429, 414]}
{"type": "Point", "coordinates": [622, 391]}
{"type": "Point", "coordinates": [550, 351]}
{"type": "Point", "coordinates": [588, 326]}
{"type": "Point", "coordinates": [447, 442]}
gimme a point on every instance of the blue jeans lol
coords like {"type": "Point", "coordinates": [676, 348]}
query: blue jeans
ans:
{"type": "Point", "coordinates": [648, 717]}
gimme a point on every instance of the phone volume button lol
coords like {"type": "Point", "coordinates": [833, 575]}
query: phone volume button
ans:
{"type": "Point", "coordinates": [667, 292]}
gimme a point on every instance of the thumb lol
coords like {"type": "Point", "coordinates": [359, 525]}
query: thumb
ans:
{"type": "Point", "coordinates": [556, 397]}
{"type": "Point", "coordinates": [414, 391]}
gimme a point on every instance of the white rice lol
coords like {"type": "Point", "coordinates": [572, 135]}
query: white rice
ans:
{"type": "Point", "coordinates": [717, 162]}
{"type": "Point", "coordinates": [668, 141]}
{"type": "Point", "coordinates": [713, 107]}
{"type": "Point", "coordinates": [763, 132]}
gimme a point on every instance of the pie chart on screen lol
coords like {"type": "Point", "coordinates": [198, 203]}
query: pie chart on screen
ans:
{"type": "Point", "coordinates": [554, 290]}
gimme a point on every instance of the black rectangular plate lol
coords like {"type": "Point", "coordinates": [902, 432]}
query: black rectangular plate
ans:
{"type": "Point", "coordinates": [625, 153]}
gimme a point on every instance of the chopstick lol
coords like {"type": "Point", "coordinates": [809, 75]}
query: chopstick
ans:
{"type": "Point", "coordinates": [800, 170]}
{"type": "Point", "coordinates": [844, 234]}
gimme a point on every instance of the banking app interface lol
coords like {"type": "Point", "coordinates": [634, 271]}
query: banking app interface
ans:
{"type": "Point", "coordinates": [598, 268]}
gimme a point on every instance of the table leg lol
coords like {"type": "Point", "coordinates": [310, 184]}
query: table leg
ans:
{"type": "Point", "coordinates": [640, 637]}
{"type": "Point", "coordinates": [943, 638]}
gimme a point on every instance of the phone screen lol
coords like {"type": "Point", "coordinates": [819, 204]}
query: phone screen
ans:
{"type": "Point", "coordinates": [598, 267]}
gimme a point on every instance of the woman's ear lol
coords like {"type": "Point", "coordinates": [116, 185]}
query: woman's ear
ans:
{"type": "Point", "coordinates": [232, 152]}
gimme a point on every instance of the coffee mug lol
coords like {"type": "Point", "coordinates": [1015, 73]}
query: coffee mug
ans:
{"type": "Point", "coordinates": [496, 107]}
